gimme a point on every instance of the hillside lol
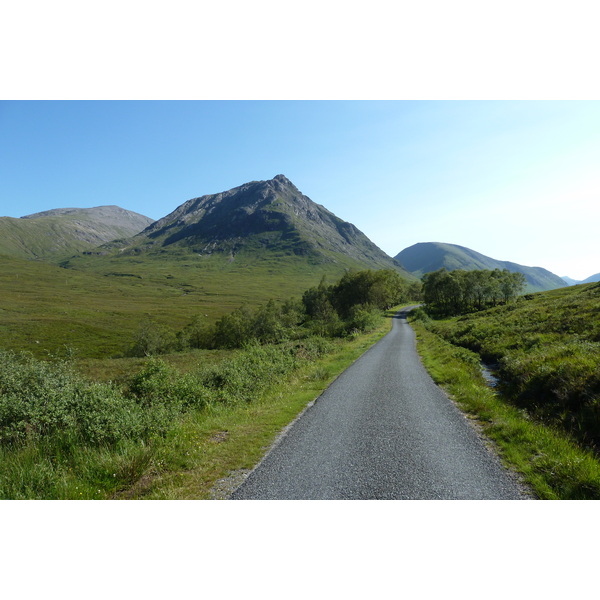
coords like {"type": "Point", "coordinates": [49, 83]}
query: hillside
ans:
{"type": "Point", "coordinates": [547, 348]}
{"type": "Point", "coordinates": [430, 256]}
{"type": "Point", "coordinates": [59, 233]}
{"type": "Point", "coordinates": [592, 278]}
{"type": "Point", "coordinates": [213, 254]}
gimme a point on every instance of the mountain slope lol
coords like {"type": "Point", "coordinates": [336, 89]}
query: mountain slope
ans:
{"type": "Point", "coordinates": [430, 256]}
{"type": "Point", "coordinates": [55, 234]}
{"type": "Point", "coordinates": [592, 278]}
{"type": "Point", "coordinates": [270, 220]}
{"type": "Point", "coordinates": [570, 280]}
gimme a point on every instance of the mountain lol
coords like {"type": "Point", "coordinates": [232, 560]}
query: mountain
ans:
{"type": "Point", "coordinates": [570, 281]}
{"type": "Point", "coordinates": [61, 232]}
{"type": "Point", "coordinates": [260, 220]}
{"type": "Point", "coordinates": [430, 256]}
{"type": "Point", "coordinates": [592, 278]}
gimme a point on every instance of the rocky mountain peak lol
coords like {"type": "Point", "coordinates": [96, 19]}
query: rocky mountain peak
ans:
{"type": "Point", "coordinates": [259, 217]}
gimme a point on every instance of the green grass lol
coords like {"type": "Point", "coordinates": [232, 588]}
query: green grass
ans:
{"type": "Point", "coordinates": [48, 310]}
{"type": "Point", "coordinates": [551, 460]}
{"type": "Point", "coordinates": [163, 433]}
{"type": "Point", "coordinates": [547, 348]}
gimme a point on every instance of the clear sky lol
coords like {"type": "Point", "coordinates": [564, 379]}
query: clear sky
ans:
{"type": "Point", "coordinates": [514, 180]}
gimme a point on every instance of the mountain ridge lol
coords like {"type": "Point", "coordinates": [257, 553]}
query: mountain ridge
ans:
{"type": "Point", "coordinates": [592, 278]}
{"type": "Point", "coordinates": [60, 232]}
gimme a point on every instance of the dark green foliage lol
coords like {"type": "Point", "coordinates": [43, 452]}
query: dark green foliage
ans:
{"type": "Point", "coordinates": [378, 289]}
{"type": "Point", "coordinates": [62, 436]}
{"type": "Point", "coordinates": [39, 399]}
{"type": "Point", "coordinates": [161, 387]}
{"type": "Point", "coordinates": [245, 377]}
{"type": "Point", "coordinates": [197, 334]}
{"type": "Point", "coordinates": [235, 329]}
{"type": "Point", "coordinates": [355, 301]}
{"type": "Point", "coordinates": [458, 292]}
{"type": "Point", "coordinates": [354, 304]}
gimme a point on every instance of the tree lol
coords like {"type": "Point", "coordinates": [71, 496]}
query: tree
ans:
{"type": "Point", "coordinates": [460, 291]}
{"type": "Point", "coordinates": [152, 339]}
{"type": "Point", "coordinates": [235, 329]}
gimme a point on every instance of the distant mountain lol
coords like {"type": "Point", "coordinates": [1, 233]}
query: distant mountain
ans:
{"type": "Point", "coordinates": [570, 281]}
{"type": "Point", "coordinates": [62, 232]}
{"type": "Point", "coordinates": [592, 279]}
{"type": "Point", "coordinates": [269, 220]}
{"type": "Point", "coordinates": [430, 256]}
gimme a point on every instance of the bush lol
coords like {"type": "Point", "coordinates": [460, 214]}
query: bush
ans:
{"type": "Point", "coordinates": [158, 385]}
{"type": "Point", "coordinates": [197, 334]}
{"type": "Point", "coordinates": [246, 376]}
{"type": "Point", "coordinates": [363, 318]}
{"type": "Point", "coordinates": [39, 399]}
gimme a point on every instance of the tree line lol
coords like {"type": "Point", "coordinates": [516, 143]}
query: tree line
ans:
{"type": "Point", "coordinates": [353, 304]}
{"type": "Point", "coordinates": [456, 292]}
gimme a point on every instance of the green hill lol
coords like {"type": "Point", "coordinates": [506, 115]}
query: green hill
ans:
{"type": "Point", "coordinates": [59, 233]}
{"type": "Point", "coordinates": [259, 240]}
{"type": "Point", "coordinates": [430, 256]}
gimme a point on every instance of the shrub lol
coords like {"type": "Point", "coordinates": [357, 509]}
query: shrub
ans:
{"type": "Point", "coordinates": [152, 339]}
{"type": "Point", "coordinates": [160, 386]}
{"type": "Point", "coordinates": [246, 376]}
{"type": "Point", "coordinates": [363, 318]}
{"type": "Point", "coordinates": [39, 399]}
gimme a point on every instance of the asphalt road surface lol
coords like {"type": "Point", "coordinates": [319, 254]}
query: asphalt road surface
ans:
{"type": "Point", "coordinates": [382, 430]}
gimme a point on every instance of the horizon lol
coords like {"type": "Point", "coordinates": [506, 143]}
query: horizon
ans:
{"type": "Point", "coordinates": [508, 179]}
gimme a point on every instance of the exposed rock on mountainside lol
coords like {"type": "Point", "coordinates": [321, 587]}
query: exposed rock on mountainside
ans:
{"type": "Point", "coordinates": [430, 256]}
{"type": "Point", "coordinates": [61, 232]}
{"type": "Point", "coordinates": [261, 217]}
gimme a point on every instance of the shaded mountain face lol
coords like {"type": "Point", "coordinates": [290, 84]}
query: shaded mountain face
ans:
{"type": "Point", "coordinates": [430, 256]}
{"type": "Point", "coordinates": [61, 232]}
{"type": "Point", "coordinates": [261, 216]}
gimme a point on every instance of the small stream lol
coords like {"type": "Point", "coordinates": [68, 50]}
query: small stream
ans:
{"type": "Point", "coordinates": [488, 374]}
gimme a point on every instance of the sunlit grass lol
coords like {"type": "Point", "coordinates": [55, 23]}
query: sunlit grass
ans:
{"type": "Point", "coordinates": [547, 348]}
{"type": "Point", "coordinates": [551, 462]}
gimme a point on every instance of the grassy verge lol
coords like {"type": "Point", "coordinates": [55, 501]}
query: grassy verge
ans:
{"type": "Point", "coordinates": [550, 461]}
{"type": "Point", "coordinates": [227, 440]}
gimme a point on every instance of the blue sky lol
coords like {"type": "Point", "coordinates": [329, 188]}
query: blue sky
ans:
{"type": "Point", "coordinates": [516, 180]}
